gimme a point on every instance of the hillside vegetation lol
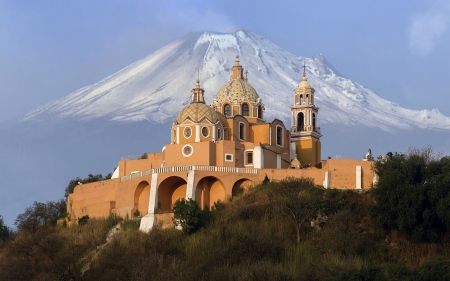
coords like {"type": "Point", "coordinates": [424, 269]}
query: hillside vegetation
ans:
{"type": "Point", "coordinates": [287, 230]}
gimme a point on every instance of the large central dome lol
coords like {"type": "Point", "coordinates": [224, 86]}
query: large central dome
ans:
{"type": "Point", "coordinates": [237, 89]}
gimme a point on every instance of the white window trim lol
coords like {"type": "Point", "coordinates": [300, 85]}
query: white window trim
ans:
{"type": "Point", "coordinates": [239, 131]}
{"type": "Point", "coordinates": [228, 154]}
{"type": "Point", "coordinates": [182, 150]}
{"type": "Point", "coordinates": [245, 157]}
{"type": "Point", "coordinates": [184, 132]}
{"type": "Point", "coordinates": [282, 135]}
{"type": "Point", "coordinates": [209, 132]}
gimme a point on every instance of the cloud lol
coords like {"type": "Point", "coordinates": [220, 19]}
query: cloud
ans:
{"type": "Point", "coordinates": [426, 28]}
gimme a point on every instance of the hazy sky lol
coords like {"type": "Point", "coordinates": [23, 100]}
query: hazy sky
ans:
{"type": "Point", "coordinates": [48, 49]}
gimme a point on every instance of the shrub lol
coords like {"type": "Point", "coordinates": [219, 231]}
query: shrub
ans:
{"type": "Point", "coordinates": [83, 220]}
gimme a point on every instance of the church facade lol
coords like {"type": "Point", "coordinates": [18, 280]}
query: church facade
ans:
{"type": "Point", "coordinates": [217, 151]}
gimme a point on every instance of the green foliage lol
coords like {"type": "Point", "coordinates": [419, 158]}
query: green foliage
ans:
{"type": "Point", "coordinates": [413, 195]}
{"type": "Point", "coordinates": [4, 230]}
{"type": "Point", "coordinates": [83, 220]}
{"type": "Point", "coordinates": [248, 238]}
{"type": "Point", "coordinates": [436, 269]}
{"type": "Point", "coordinates": [188, 215]}
{"type": "Point", "coordinates": [41, 214]}
{"type": "Point", "coordinates": [363, 274]}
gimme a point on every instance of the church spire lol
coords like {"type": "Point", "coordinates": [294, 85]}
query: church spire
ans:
{"type": "Point", "coordinates": [197, 93]}
{"type": "Point", "coordinates": [237, 71]}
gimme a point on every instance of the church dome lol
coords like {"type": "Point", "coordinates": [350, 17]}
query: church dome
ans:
{"type": "Point", "coordinates": [304, 84]}
{"type": "Point", "coordinates": [197, 112]}
{"type": "Point", "coordinates": [237, 89]}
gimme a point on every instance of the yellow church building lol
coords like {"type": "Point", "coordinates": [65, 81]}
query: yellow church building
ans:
{"type": "Point", "coordinates": [215, 152]}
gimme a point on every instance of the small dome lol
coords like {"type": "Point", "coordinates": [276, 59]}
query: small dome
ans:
{"type": "Point", "coordinates": [237, 89]}
{"type": "Point", "coordinates": [197, 112]}
{"type": "Point", "coordinates": [304, 84]}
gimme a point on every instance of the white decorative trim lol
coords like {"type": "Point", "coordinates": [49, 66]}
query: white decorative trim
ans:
{"type": "Point", "coordinates": [358, 177]}
{"type": "Point", "coordinates": [245, 157]}
{"type": "Point", "coordinates": [208, 134]}
{"type": "Point", "coordinates": [228, 154]}
{"type": "Point", "coordinates": [184, 132]}
{"type": "Point", "coordinates": [197, 133]}
{"type": "Point", "coordinates": [187, 154]}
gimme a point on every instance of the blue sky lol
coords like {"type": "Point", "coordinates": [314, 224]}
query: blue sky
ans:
{"type": "Point", "coordinates": [48, 49]}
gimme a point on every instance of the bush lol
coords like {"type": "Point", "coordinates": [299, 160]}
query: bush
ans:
{"type": "Point", "coordinates": [187, 215]}
{"type": "Point", "coordinates": [413, 195]}
{"type": "Point", "coordinates": [83, 220]}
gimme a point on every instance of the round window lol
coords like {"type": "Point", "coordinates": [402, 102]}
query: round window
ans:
{"type": "Point", "coordinates": [205, 131]}
{"type": "Point", "coordinates": [187, 132]}
{"type": "Point", "coordinates": [187, 150]}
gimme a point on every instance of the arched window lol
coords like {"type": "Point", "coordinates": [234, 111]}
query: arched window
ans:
{"type": "Point", "coordinates": [241, 131]}
{"type": "Point", "coordinates": [307, 99]}
{"type": "Point", "coordinates": [244, 109]}
{"type": "Point", "coordinates": [260, 112]}
{"type": "Point", "coordinates": [279, 136]}
{"type": "Point", "coordinates": [301, 99]}
{"type": "Point", "coordinates": [314, 121]}
{"type": "Point", "coordinates": [300, 122]}
{"type": "Point", "coordinates": [227, 110]}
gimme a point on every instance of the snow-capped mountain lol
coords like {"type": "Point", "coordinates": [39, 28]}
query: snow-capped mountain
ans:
{"type": "Point", "coordinates": [158, 86]}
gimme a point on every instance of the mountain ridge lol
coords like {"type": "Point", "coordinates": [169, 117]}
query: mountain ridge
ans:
{"type": "Point", "coordinates": [156, 87]}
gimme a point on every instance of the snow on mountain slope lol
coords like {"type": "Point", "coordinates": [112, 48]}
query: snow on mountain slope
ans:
{"type": "Point", "coordinates": [158, 86]}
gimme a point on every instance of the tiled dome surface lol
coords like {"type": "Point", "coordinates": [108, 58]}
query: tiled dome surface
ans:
{"type": "Point", "coordinates": [197, 112]}
{"type": "Point", "coordinates": [237, 89]}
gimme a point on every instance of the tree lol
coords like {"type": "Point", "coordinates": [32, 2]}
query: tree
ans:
{"type": "Point", "coordinates": [188, 215]}
{"type": "Point", "coordinates": [40, 214]}
{"type": "Point", "coordinates": [413, 195]}
{"type": "Point", "coordinates": [301, 200]}
{"type": "Point", "coordinates": [4, 230]}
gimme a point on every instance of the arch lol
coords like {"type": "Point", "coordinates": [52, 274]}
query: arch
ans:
{"type": "Point", "coordinates": [169, 191]}
{"type": "Point", "coordinates": [227, 110]}
{"type": "Point", "coordinates": [245, 111]}
{"type": "Point", "coordinates": [260, 116]}
{"type": "Point", "coordinates": [300, 122]}
{"type": "Point", "coordinates": [141, 198]}
{"type": "Point", "coordinates": [314, 121]}
{"type": "Point", "coordinates": [208, 191]}
{"type": "Point", "coordinates": [241, 185]}
{"type": "Point", "coordinates": [279, 135]}
{"type": "Point", "coordinates": [301, 99]}
{"type": "Point", "coordinates": [241, 131]}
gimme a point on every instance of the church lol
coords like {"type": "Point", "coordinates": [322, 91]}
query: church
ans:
{"type": "Point", "coordinates": [215, 152]}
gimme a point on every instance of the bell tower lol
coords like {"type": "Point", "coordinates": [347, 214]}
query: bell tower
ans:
{"type": "Point", "coordinates": [305, 132]}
